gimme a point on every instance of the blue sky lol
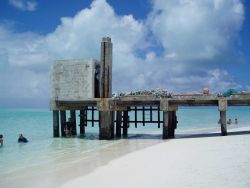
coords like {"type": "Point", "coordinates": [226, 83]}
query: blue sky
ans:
{"type": "Point", "coordinates": [49, 12]}
{"type": "Point", "coordinates": [179, 45]}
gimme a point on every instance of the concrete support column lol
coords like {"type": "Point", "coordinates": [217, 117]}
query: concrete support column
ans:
{"type": "Point", "coordinates": [169, 124]}
{"type": "Point", "coordinates": [106, 125]}
{"type": "Point", "coordinates": [106, 118]}
{"type": "Point", "coordinates": [106, 115]}
{"type": "Point", "coordinates": [125, 123]}
{"type": "Point", "coordinates": [118, 123]}
{"type": "Point", "coordinates": [73, 122]}
{"type": "Point", "coordinates": [83, 122]}
{"type": "Point", "coordinates": [172, 125]}
{"type": "Point", "coordinates": [165, 127]}
{"type": "Point", "coordinates": [222, 105]}
{"type": "Point", "coordinates": [106, 70]}
{"type": "Point", "coordinates": [169, 119]}
{"type": "Point", "coordinates": [63, 122]}
{"type": "Point", "coordinates": [56, 131]}
{"type": "Point", "coordinates": [223, 121]}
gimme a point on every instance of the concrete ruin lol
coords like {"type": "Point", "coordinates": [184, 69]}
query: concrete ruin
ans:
{"type": "Point", "coordinates": [86, 85]}
{"type": "Point", "coordinates": [75, 79]}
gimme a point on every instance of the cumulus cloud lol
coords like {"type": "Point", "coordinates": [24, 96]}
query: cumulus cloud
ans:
{"type": "Point", "coordinates": [24, 68]}
{"type": "Point", "coordinates": [24, 5]}
{"type": "Point", "coordinates": [196, 30]}
{"type": "Point", "coordinates": [247, 88]}
{"type": "Point", "coordinates": [80, 36]}
{"type": "Point", "coordinates": [29, 55]}
{"type": "Point", "coordinates": [194, 38]}
{"type": "Point", "coordinates": [197, 37]}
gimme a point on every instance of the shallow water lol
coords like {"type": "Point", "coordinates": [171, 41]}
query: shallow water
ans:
{"type": "Point", "coordinates": [43, 149]}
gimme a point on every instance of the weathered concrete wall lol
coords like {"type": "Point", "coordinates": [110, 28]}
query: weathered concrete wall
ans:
{"type": "Point", "coordinates": [73, 79]}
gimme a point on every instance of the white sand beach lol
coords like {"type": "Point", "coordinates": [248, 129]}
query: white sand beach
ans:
{"type": "Point", "coordinates": [198, 160]}
{"type": "Point", "coordinates": [207, 161]}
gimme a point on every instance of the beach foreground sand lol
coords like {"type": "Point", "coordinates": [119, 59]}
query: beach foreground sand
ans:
{"type": "Point", "coordinates": [197, 161]}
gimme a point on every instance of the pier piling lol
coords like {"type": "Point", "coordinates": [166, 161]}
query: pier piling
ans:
{"type": "Point", "coordinates": [171, 124]}
{"type": "Point", "coordinates": [125, 123]}
{"type": "Point", "coordinates": [106, 115]}
{"type": "Point", "coordinates": [222, 105]}
{"type": "Point", "coordinates": [63, 122]}
{"type": "Point", "coordinates": [165, 127]}
{"type": "Point", "coordinates": [73, 122]}
{"type": "Point", "coordinates": [56, 130]}
{"type": "Point", "coordinates": [223, 121]}
{"type": "Point", "coordinates": [106, 125]}
{"type": "Point", "coordinates": [83, 122]}
{"type": "Point", "coordinates": [118, 123]}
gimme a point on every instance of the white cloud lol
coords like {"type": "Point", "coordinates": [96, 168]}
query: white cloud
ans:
{"type": "Point", "coordinates": [247, 88]}
{"type": "Point", "coordinates": [80, 36]}
{"type": "Point", "coordinates": [195, 37]}
{"type": "Point", "coordinates": [28, 55]}
{"type": "Point", "coordinates": [24, 5]}
{"type": "Point", "coordinates": [196, 30]}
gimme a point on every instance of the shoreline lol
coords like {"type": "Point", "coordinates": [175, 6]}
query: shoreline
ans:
{"type": "Point", "coordinates": [66, 172]}
{"type": "Point", "coordinates": [208, 161]}
{"type": "Point", "coordinates": [58, 173]}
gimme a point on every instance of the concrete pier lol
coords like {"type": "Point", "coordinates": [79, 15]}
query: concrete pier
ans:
{"type": "Point", "coordinates": [86, 85]}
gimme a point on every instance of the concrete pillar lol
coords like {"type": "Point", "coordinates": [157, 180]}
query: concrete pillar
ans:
{"type": "Point", "coordinates": [63, 122]}
{"type": "Point", "coordinates": [169, 119]}
{"type": "Point", "coordinates": [125, 124]}
{"type": "Point", "coordinates": [172, 125]}
{"type": "Point", "coordinates": [165, 127]}
{"type": "Point", "coordinates": [106, 70]}
{"type": "Point", "coordinates": [56, 131]}
{"type": "Point", "coordinates": [106, 125]}
{"type": "Point", "coordinates": [222, 106]}
{"type": "Point", "coordinates": [223, 121]}
{"type": "Point", "coordinates": [83, 121]}
{"type": "Point", "coordinates": [118, 123]}
{"type": "Point", "coordinates": [106, 116]}
{"type": "Point", "coordinates": [73, 122]}
{"type": "Point", "coordinates": [175, 119]}
{"type": "Point", "coordinates": [172, 121]}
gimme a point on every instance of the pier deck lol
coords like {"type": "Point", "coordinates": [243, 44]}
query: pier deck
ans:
{"type": "Point", "coordinates": [166, 106]}
{"type": "Point", "coordinates": [179, 100]}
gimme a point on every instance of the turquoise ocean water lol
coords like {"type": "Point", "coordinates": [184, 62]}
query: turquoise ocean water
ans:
{"type": "Point", "coordinates": [43, 149]}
